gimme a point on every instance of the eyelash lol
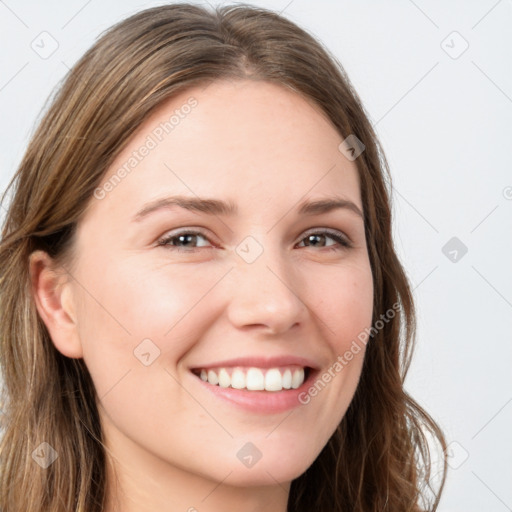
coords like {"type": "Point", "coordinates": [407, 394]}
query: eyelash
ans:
{"type": "Point", "coordinates": [343, 242]}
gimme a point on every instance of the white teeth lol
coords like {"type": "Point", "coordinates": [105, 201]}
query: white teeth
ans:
{"type": "Point", "coordinates": [273, 380]}
{"type": "Point", "coordinates": [224, 379]}
{"type": "Point", "coordinates": [212, 377]}
{"type": "Point", "coordinates": [238, 379]}
{"type": "Point", "coordinates": [297, 378]}
{"type": "Point", "coordinates": [287, 379]}
{"type": "Point", "coordinates": [254, 379]}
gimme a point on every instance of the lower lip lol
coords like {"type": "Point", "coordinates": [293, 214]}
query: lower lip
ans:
{"type": "Point", "coordinates": [261, 402]}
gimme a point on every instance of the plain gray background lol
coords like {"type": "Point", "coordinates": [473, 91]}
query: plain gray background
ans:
{"type": "Point", "coordinates": [436, 80]}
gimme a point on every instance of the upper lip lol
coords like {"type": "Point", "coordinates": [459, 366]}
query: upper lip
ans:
{"type": "Point", "coordinates": [261, 362]}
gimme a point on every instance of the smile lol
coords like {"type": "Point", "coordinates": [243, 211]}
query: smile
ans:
{"type": "Point", "coordinates": [253, 378]}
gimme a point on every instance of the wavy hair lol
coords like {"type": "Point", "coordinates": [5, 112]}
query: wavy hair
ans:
{"type": "Point", "coordinates": [379, 458]}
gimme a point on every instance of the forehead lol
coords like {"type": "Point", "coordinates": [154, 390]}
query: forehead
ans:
{"type": "Point", "coordinates": [244, 141]}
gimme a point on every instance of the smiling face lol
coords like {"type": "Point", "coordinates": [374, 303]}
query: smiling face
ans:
{"type": "Point", "coordinates": [166, 297]}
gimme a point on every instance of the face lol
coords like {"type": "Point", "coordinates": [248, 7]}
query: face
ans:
{"type": "Point", "coordinates": [199, 324]}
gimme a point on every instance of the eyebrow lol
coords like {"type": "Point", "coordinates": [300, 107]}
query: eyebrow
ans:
{"type": "Point", "coordinates": [228, 208]}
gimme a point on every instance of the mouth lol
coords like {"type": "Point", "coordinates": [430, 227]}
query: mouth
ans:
{"type": "Point", "coordinates": [257, 385]}
{"type": "Point", "coordinates": [252, 378]}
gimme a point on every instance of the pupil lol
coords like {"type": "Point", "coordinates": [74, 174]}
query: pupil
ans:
{"type": "Point", "coordinates": [185, 238]}
{"type": "Point", "coordinates": [313, 237]}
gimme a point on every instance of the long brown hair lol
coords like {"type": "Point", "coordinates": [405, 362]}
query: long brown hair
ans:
{"type": "Point", "coordinates": [378, 459]}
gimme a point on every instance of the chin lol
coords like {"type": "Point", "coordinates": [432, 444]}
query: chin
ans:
{"type": "Point", "coordinates": [273, 465]}
{"type": "Point", "coordinates": [283, 471]}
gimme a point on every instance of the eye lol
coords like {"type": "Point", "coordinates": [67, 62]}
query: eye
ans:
{"type": "Point", "coordinates": [188, 238]}
{"type": "Point", "coordinates": [342, 242]}
{"type": "Point", "coordinates": [173, 241]}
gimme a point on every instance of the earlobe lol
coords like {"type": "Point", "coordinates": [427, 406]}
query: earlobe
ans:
{"type": "Point", "coordinates": [53, 297]}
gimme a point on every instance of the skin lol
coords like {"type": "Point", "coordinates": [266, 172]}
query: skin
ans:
{"type": "Point", "coordinates": [172, 443]}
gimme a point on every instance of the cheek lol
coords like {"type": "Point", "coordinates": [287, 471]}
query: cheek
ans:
{"type": "Point", "coordinates": [343, 300]}
{"type": "Point", "coordinates": [128, 318]}
{"type": "Point", "coordinates": [344, 304]}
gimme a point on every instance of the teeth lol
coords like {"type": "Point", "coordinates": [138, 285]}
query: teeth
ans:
{"type": "Point", "coordinates": [224, 379]}
{"type": "Point", "coordinates": [254, 379]}
{"type": "Point", "coordinates": [238, 379]}
{"type": "Point", "coordinates": [212, 377]}
{"type": "Point", "coordinates": [297, 378]}
{"type": "Point", "coordinates": [287, 379]}
{"type": "Point", "coordinates": [273, 380]}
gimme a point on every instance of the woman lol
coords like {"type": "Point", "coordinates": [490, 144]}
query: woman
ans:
{"type": "Point", "coordinates": [201, 305]}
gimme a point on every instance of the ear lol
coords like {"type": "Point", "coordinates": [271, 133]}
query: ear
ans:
{"type": "Point", "coordinates": [52, 293]}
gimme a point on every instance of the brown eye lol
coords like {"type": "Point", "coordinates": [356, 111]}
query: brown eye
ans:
{"type": "Point", "coordinates": [314, 239]}
{"type": "Point", "coordinates": [185, 237]}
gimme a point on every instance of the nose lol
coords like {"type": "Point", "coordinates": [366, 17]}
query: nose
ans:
{"type": "Point", "coordinates": [265, 294]}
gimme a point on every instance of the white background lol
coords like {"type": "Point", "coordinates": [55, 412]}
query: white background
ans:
{"type": "Point", "coordinates": [444, 118]}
